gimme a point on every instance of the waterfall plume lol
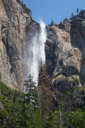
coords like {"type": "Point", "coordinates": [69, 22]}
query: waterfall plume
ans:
{"type": "Point", "coordinates": [34, 53]}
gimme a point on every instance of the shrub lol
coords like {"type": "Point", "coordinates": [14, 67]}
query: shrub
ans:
{"type": "Point", "coordinates": [74, 119]}
{"type": "Point", "coordinates": [69, 93]}
{"type": "Point", "coordinates": [76, 82]}
{"type": "Point", "coordinates": [12, 70]}
{"type": "Point", "coordinates": [52, 23]}
{"type": "Point", "coordinates": [66, 19]}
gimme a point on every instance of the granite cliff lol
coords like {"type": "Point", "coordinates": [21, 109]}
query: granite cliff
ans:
{"type": "Point", "coordinates": [13, 22]}
{"type": "Point", "coordinates": [65, 54]}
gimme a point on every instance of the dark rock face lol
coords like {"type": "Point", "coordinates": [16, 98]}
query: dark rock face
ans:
{"type": "Point", "coordinates": [78, 41]}
{"type": "Point", "coordinates": [65, 60]}
{"type": "Point", "coordinates": [65, 50]}
{"type": "Point", "coordinates": [50, 51]}
{"type": "Point", "coordinates": [65, 63]}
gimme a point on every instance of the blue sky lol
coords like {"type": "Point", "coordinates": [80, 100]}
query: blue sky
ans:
{"type": "Point", "coordinates": [55, 10]}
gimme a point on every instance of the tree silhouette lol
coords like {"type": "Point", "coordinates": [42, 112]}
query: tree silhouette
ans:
{"type": "Point", "coordinates": [77, 10]}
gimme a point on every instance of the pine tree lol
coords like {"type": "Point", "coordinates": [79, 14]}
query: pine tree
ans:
{"type": "Point", "coordinates": [31, 92]}
{"type": "Point", "coordinates": [52, 23]}
{"type": "Point", "coordinates": [72, 15]}
{"type": "Point", "coordinates": [32, 104]}
{"type": "Point", "coordinates": [52, 121]}
{"type": "Point", "coordinates": [77, 11]}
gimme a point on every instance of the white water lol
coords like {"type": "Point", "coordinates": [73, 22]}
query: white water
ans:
{"type": "Point", "coordinates": [34, 55]}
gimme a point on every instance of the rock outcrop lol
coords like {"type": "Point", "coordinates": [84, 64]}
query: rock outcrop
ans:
{"type": "Point", "coordinates": [65, 60]}
{"type": "Point", "coordinates": [65, 53]}
{"type": "Point", "coordinates": [13, 24]}
{"type": "Point", "coordinates": [65, 50]}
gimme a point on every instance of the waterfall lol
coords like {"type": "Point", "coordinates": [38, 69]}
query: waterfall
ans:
{"type": "Point", "coordinates": [34, 53]}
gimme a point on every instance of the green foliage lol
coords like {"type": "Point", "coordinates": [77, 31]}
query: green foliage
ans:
{"type": "Point", "coordinates": [74, 119]}
{"type": "Point", "coordinates": [76, 82]}
{"type": "Point", "coordinates": [12, 70]}
{"type": "Point", "coordinates": [31, 92]}
{"type": "Point", "coordinates": [18, 112]}
{"type": "Point", "coordinates": [77, 10]}
{"type": "Point", "coordinates": [26, 10]}
{"type": "Point", "coordinates": [52, 121]}
{"type": "Point", "coordinates": [52, 23]}
{"type": "Point", "coordinates": [5, 90]}
{"type": "Point", "coordinates": [69, 93]}
{"type": "Point", "coordinates": [66, 19]}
